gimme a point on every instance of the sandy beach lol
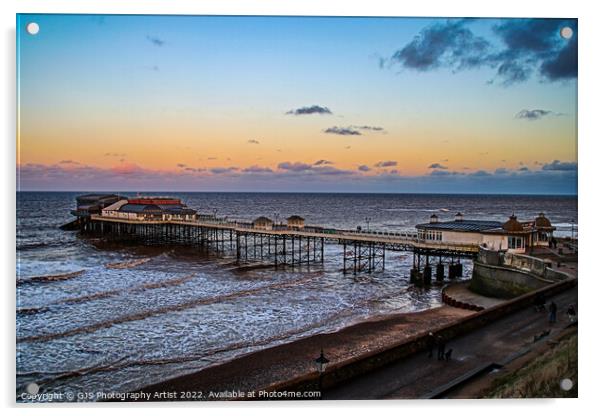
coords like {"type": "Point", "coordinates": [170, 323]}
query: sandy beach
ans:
{"type": "Point", "coordinates": [259, 370]}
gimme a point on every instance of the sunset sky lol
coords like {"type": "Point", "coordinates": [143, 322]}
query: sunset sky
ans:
{"type": "Point", "coordinates": [297, 104]}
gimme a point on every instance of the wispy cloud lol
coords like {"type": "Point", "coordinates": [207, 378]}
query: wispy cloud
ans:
{"type": "Point", "coordinates": [437, 166]}
{"type": "Point", "coordinates": [220, 170]}
{"type": "Point", "coordinates": [253, 141]}
{"type": "Point", "coordinates": [322, 162]}
{"type": "Point", "coordinates": [532, 115]}
{"type": "Point", "coordinates": [313, 109]}
{"type": "Point", "coordinates": [385, 164]}
{"type": "Point", "coordinates": [295, 167]}
{"type": "Point", "coordinates": [155, 40]}
{"type": "Point", "coordinates": [370, 128]}
{"type": "Point", "coordinates": [257, 169]}
{"type": "Point", "coordinates": [557, 165]}
{"type": "Point", "coordinates": [342, 131]}
{"type": "Point", "coordinates": [364, 168]}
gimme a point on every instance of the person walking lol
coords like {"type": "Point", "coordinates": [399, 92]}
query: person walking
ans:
{"type": "Point", "coordinates": [552, 312]}
{"type": "Point", "coordinates": [571, 313]}
{"type": "Point", "coordinates": [431, 344]}
{"type": "Point", "coordinates": [441, 349]}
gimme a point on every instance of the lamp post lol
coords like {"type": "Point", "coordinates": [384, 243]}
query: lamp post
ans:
{"type": "Point", "coordinates": [368, 219]}
{"type": "Point", "coordinates": [572, 230]}
{"type": "Point", "coordinates": [321, 362]}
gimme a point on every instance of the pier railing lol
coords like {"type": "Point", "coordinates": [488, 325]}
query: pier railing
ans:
{"type": "Point", "coordinates": [409, 240]}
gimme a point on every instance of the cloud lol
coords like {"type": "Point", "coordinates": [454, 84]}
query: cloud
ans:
{"type": "Point", "coordinates": [564, 64]}
{"type": "Point", "coordinates": [330, 170]}
{"type": "Point", "coordinates": [437, 166]}
{"type": "Point", "coordinates": [115, 155]}
{"type": "Point", "coordinates": [385, 164]}
{"type": "Point", "coordinates": [364, 168]}
{"type": "Point", "coordinates": [253, 141]}
{"type": "Point", "coordinates": [557, 165]}
{"type": "Point", "coordinates": [295, 167]}
{"type": "Point", "coordinates": [305, 168]}
{"type": "Point", "coordinates": [155, 40]}
{"type": "Point", "coordinates": [69, 162]}
{"type": "Point", "coordinates": [558, 177]}
{"type": "Point", "coordinates": [535, 46]}
{"type": "Point", "coordinates": [523, 169]}
{"type": "Point", "coordinates": [450, 44]}
{"type": "Point", "coordinates": [181, 165]}
{"type": "Point", "coordinates": [480, 173]}
{"type": "Point", "coordinates": [524, 47]}
{"type": "Point", "coordinates": [501, 171]}
{"type": "Point", "coordinates": [313, 109]}
{"type": "Point", "coordinates": [343, 131]}
{"type": "Point", "coordinates": [127, 169]}
{"type": "Point", "coordinates": [369, 128]}
{"type": "Point", "coordinates": [532, 115]}
{"type": "Point", "coordinates": [257, 169]}
{"type": "Point", "coordinates": [220, 170]}
{"type": "Point", "coordinates": [322, 162]}
{"type": "Point", "coordinates": [441, 172]}
{"type": "Point", "coordinates": [195, 170]}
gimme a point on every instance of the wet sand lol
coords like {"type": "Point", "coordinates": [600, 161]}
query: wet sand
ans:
{"type": "Point", "coordinates": [258, 370]}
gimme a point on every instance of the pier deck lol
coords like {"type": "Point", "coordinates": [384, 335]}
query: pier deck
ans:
{"type": "Point", "coordinates": [362, 250]}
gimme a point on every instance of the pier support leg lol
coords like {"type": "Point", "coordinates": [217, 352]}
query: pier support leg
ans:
{"type": "Point", "coordinates": [440, 272]}
{"type": "Point", "coordinates": [427, 274]}
{"type": "Point", "coordinates": [415, 276]}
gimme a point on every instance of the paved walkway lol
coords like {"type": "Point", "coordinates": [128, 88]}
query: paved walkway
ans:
{"type": "Point", "coordinates": [419, 376]}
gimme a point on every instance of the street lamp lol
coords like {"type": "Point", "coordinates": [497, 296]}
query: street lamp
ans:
{"type": "Point", "coordinates": [572, 230]}
{"type": "Point", "coordinates": [321, 362]}
{"type": "Point", "coordinates": [368, 219]}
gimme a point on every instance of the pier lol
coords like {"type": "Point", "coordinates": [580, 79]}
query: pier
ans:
{"type": "Point", "coordinates": [165, 220]}
{"type": "Point", "coordinates": [362, 251]}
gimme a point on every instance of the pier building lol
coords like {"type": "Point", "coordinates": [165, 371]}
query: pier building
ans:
{"type": "Point", "coordinates": [150, 208]}
{"type": "Point", "coordinates": [512, 236]}
{"type": "Point", "coordinates": [263, 223]}
{"type": "Point", "coordinates": [93, 203]}
{"type": "Point", "coordinates": [295, 222]}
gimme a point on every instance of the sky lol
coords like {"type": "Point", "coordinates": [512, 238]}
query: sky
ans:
{"type": "Point", "coordinates": [297, 104]}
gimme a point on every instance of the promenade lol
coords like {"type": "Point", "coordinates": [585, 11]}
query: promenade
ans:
{"type": "Point", "coordinates": [500, 342]}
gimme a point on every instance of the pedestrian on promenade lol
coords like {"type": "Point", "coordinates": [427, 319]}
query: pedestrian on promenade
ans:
{"type": "Point", "coordinates": [571, 313]}
{"type": "Point", "coordinates": [431, 344]}
{"type": "Point", "coordinates": [540, 302]}
{"type": "Point", "coordinates": [441, 349]}
{"type": "Point", "coordinates": [552, 310]}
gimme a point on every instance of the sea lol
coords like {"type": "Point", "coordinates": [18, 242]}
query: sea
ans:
{"type": "Point", "coordinates": [93, 317]}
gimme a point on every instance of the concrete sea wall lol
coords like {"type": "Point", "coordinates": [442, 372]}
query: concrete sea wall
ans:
{"type": "Point", "coordinates": [507, 275]}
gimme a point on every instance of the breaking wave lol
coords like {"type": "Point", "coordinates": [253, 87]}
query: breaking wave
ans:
{"type": "Point", "coordinates": [49, 278]}
{"type": "Point", "coordinates": [160, 311]}
{"type": "Point", "coordinates": [127, 264]}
